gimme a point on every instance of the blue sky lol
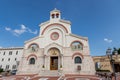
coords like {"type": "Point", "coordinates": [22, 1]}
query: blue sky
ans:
{"type": "Point", "coordinates": [99, 20]}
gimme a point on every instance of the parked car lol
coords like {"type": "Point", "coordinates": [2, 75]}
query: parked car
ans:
{"type": "Point", "coordinates": [13, 72]}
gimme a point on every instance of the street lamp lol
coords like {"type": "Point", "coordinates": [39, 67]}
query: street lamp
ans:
{"type": "Point", "coordinates": [110, 56]}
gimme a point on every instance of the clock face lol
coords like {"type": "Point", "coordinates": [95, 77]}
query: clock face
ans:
{"type": "Point", "coordinates": [54, 36]}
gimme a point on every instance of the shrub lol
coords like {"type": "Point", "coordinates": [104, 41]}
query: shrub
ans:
{"type": "Point", "coordinates": [1, 70]}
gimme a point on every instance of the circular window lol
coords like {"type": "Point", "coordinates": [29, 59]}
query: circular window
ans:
{"type": "Point", "coordinates": [54, 36]}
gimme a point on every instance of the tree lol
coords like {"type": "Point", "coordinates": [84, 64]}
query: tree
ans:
{"type": "Point", "coordinates": [115, 49]}
{"type": "Point", "coordinates": [119, 51]}
{"type": "Point", "coordinates": [1, 70]}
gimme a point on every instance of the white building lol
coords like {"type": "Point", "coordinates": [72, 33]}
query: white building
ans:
{"type": "Point", "coordinates": [10, 57]}
{"type": "Point", "coordinates": [56, 49]}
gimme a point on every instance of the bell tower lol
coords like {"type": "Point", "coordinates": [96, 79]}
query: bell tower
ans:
{"type": "Point", "coordinates": [55, 22]}
{"type": "Point", "coordinates": [55, 14]}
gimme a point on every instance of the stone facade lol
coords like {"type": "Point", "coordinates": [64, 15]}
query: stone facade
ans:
{"type": "Point", "coordinates": [56, 49]}
{"type": "Point", "coordinates": [103, 63]}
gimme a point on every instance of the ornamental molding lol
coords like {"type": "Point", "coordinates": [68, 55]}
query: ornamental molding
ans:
{"type": "Point", "coordinates": [80, 37]}
{"type": "Point", "coordinates": [44, 23]}
{"type": "Point", "coordinates": [12, 48]}
{"type": "Point", "coordinates": [53, 45]}
{"type": "Point", "coordinates": [65, 21]}
{"type": "Point", "coordinates": [61, 20]}
{"type": "Point", "coordinates": [32, 39]}
{"type": "Point", "coordinates": [53, 24]}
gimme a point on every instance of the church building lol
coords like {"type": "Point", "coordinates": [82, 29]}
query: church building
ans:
{"type": "Point", "coordinates": [56, 50]}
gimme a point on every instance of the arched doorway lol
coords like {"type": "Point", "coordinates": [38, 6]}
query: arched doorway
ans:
{"type": "Point", "coordinates": [54, 58]}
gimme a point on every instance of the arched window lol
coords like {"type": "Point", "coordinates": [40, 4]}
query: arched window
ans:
{"type": "Point", "coordinates": [78, 60]}
{"type": "Point", "coordinates": [57, 15]}
{"type": "Point", "coordinates": [77, 46]}
{"type": "Point", "coordinates": [53, 15]}
{"type": "Point", "coordinates": [33, 47]}
{"type": "Point", "coordinates": [32, 61]}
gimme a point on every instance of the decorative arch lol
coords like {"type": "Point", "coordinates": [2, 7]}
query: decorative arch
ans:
{"type": "Point", "coordinates": [52, 45]}
{"type": "Point", "coordinates": [33, 44]}
{"type": "Point", "coordinates": [76, 41]}
{"type": "Point", "coordinates": [78, 54]}
{"type": "Point", "coordinates": [54, 51]}
{"type": "Point", "coordinates": [55, 24]}
{"type": "Point", "coordinates": [32, 55]}
{"type": "Point", "coordinates": [76, 45]}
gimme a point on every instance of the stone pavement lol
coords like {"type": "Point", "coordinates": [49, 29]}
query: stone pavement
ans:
{"type": "Point", "coordinates": [65, 77]}
{"type": "Point", "coordinates": [24, 77]}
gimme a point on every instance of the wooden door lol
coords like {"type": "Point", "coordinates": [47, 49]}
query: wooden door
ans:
{"type": "Point", "coordinates": [54, 63]}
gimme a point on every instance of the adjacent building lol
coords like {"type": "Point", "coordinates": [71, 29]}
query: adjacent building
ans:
{"type": "Point", "coordinates": [56, 49]}
{"type": "Point", "coordinates": [103, 63]}
{"type": "Point", "coordinates": [10, 57]}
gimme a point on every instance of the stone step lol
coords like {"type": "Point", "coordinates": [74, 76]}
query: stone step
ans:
{"type": "Point", "coordinates": [49, 73]}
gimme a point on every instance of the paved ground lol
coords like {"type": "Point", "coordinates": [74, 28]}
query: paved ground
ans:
{"type": "Point", "coordinates": [47, 78]}
{"type": "Point", "coordinates": [81, 78]}
{"type": "Point", "coordinates": [30, 77]}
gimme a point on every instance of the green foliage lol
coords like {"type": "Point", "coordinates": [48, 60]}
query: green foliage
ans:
{"type": "Point", "coordinates": [1, 70]}
{"type": "Point", "coordinates": [115, 49]}
{"type": "Point", "coordinates": [119, 51]}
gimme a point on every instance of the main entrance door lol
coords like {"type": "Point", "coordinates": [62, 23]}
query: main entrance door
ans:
{"type": "Point", "coordinates": [54, 63]}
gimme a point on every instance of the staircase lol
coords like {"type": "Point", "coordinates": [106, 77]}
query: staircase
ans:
{"type": "Point", "coordinates": [53, 73]}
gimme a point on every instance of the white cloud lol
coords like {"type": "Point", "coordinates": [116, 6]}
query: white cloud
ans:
{"type": "Point", "coordinates": [20, 31]}
{"type": "Point", "coordinates": [33, 32]}
{"type": "Point", "coordinates": [23, 26]}
{"type": "Point", "coordinates": [7, 29]}
{"type": "Point", "coordinates": [107, 40]}
{"type": "Point", "coordinates": [0, 46]}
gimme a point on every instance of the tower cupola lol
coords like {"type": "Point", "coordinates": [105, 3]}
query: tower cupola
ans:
{"type": "Point", "coordinates": [55, 14]}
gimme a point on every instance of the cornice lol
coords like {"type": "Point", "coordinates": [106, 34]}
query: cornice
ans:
{"type": "Point", "coordinates": [46, 22]}
{"type": "Point", "coordinates": [85, 38]}
{"type": "Point", "coordinates": [61, 20]}
{"type": "Point", "coordinates": [11, 48]}
{"type": "Point", "coordinates": [55, 10]}
{"type": "Point", "coordinates": [65, 21]}
{"type": "Point", "coordinates": [32, 39]}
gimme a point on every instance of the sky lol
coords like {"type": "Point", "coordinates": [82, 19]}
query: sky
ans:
{"type": "Point", "coordinates": [99, 20]}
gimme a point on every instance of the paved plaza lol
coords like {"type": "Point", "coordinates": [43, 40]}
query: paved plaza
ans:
{"type": "Point", "coordinates": [31, 77]}
{"type": "Point", "coordinates": [49, 78]}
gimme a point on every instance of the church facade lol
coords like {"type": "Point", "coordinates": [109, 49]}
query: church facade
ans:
{"type": "Point", "coordinates": [56, 50]}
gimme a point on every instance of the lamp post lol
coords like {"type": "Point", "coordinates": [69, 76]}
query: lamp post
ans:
{"type": "Point", "coordinates": [110, 56]}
